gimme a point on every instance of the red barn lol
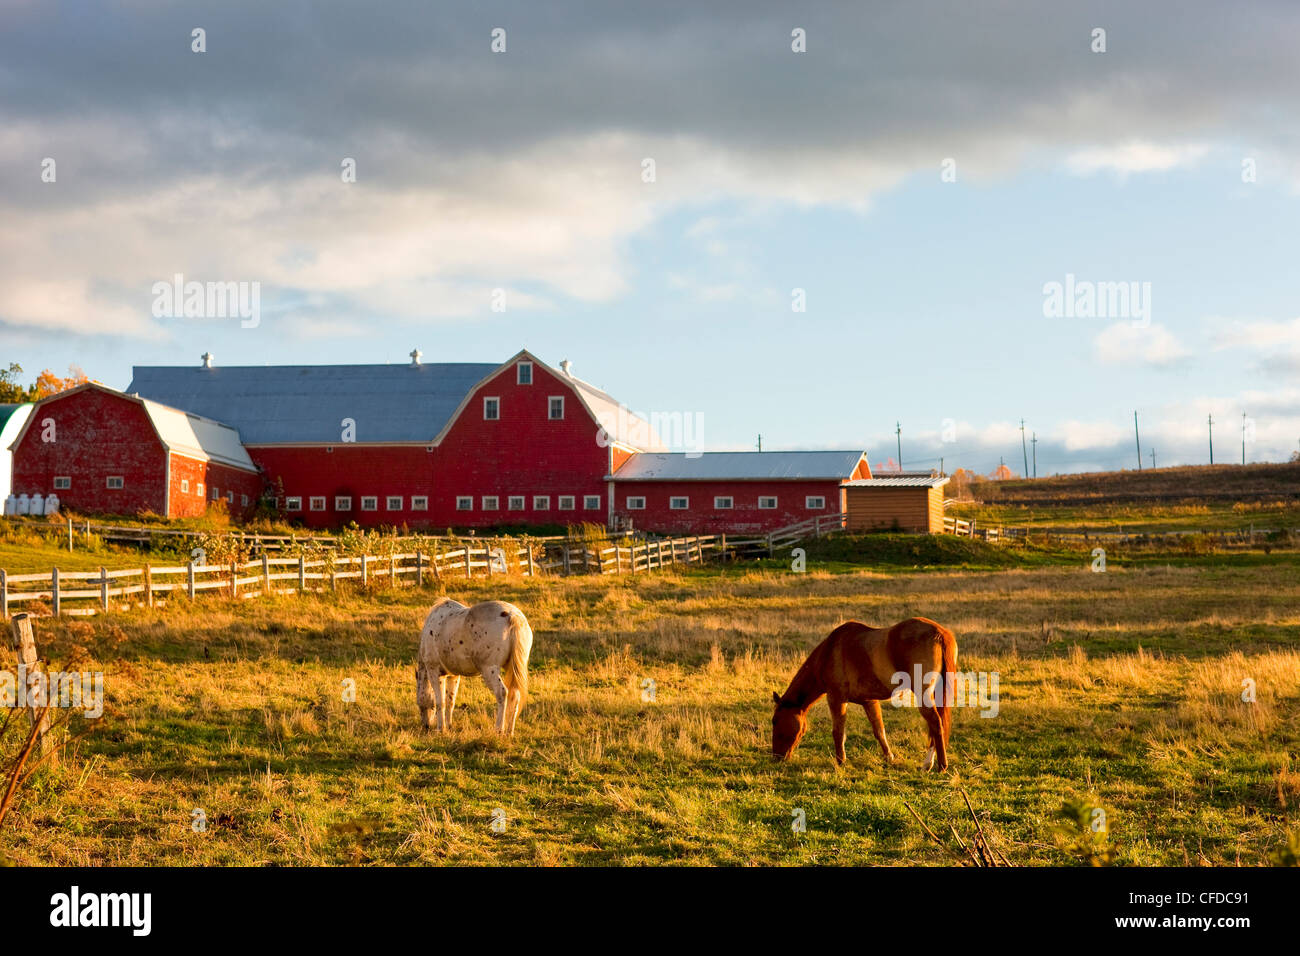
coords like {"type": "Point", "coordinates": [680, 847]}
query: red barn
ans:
{"type": "Point", "coordinates": [711, 492]}
{"type": "Point", "coordinates": [426, 445]}
{"type": "Point", "coordinates": [101, 450]}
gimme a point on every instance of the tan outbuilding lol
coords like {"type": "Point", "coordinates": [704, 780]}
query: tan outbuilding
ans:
{"type": "Point", "coordinates": [904, 503]}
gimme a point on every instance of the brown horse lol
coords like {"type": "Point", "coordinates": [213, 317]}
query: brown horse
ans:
{"type": "Point", "coordinates": [858, 664]}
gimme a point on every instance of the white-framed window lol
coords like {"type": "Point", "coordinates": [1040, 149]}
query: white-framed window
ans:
{"type": "Point", "coordinates": [393, 503]}
{"type": "Point", "coordinates": [766, 502]}
{"type": "Point", "coordinates": [515, 503]}
{"type": "Point", "coordinates": [555, 407]}
{"type": "Point", "coordinates": [679, 502]}
{"type": "Point", "coordinates": [369, 502]}
{"type": "Point", "coordinates": [293, 503]}
{"type": "Point", "coordinates": [216, 493]}
{"type": "Point", "coordinates": [419, 502]}
{"type": "Point", "coordinates": [524, 373]}
{"type": "Point", "coordinates": [243, 501]}
{"type": "Point", "coordinates": [541, 502]}
{"type": "Point", "coordinates": [464, 502]}
{"type": "Point", "coordinates": [115, 482]}
{"type": "Point", "coordinates": [636, 503]}
{"type": "Point", "coordinates": [64, 482]}
{"type": "Point", "coordinates": [491, 408]}
{"type": "Point", "coordinates": [815, 502]}
{"type": "Point", "coordinates": [198, 489]}
{"type": "Point", "coordinates": [723, 502]}
{"type": "Point", "coordinates": [185, 485]}
{"type": "Point", "coordinates": [342, 502]}
{"type": "Point", "coordinates": [491, 503]}
{"type": "Point", "coordinates": [591, 502]}
{"type": "Point", "coordinates": [567, 502]}
{"type": "Point", "coordinates": [230, 497]}
{"type": "Point", "coordinates": [317, 503]}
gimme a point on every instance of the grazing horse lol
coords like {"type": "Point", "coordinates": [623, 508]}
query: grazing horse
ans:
{"type": "Point", "coordinates": [857, 664]}
{"type": "Point", "coordinates": [492, 639]}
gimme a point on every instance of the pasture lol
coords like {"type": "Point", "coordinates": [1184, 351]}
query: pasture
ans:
{"type": "Point", "coordinates": [1120, 690]}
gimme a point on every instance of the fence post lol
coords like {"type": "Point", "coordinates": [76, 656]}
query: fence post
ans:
{"type": "Point", "coordinates": [69, 534]}
{"type": "Point", "coordinates": [365, 570]}
{"type": "Point", "coordinates": [189, 579]}
{"type": "Point", "coordinates": [566, 559]}
{"type": "Point", "coordinates": [488, 553]}
{"type": "Point", "coordinates": [530, 560]}
{"type": "Point", "coordinates": [4, 595]}
{"type": "Point", "coordinates": [302, 573]}
{"type": "Point", "coordinates": [392, 570]}
{"type": "Point", "coordinates": [234, 579]}
{"type": "Point", "coordinates": [419, 569]}
{"type": "Point", "coordinates": [266, 573]}
{"type": "Point", "coordinates": [54, 587]}
{"type": "Point", "coordinates": [148, 585]}
{"type": "Point", "coordinates": [469, 561]}
{"type": "Point", "coordinates": [24, 645]}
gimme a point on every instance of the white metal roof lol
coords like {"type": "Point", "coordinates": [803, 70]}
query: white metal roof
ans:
{"type": "Point", "coordinates": [911, 481]}
{"type": "Point", "coordinates": [197, 437]}
{"type": "Point", "coordinates": [740, 466]}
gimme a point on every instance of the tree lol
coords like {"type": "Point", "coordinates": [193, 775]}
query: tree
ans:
{"type": "Point", "coordinates": [47, 383]}
{"type": "Point", "coordinates": [11, 389]}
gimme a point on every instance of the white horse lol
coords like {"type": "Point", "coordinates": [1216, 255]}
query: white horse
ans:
{"type": "Point", "coordinates": [492, 639]}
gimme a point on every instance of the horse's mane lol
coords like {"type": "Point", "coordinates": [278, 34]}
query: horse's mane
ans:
{"type": "Point", "coordinates": [803, 686]}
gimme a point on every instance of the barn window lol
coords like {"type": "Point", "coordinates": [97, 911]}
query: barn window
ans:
{"type": "Point", "coordinates": [369, 502]}
{"type": "Point", "coordinates": [679, 502]}
{"type": "Point", "coordinates": [723, 502]}
{"type": "Point", "coordinates": [541, 502]}
{"type": "Point", "coordinates": [464, 502]}
{"type": "Point", "coordinates": [567, 502]}
{"type": "Point", "coordinates": [419, 502]}
{"type": "Point", "coordinates": [524, 373]}
{"type": "Point", "coordinates": [767, 502]}
{"type": "Point", "coordinates": [198, 489]}
{"type": "Point", "coordinates": [293, 503]}
{"type": "Point", "coordinates": [815, 502]}
{"type": "Point", "coordinates": [114, 481]}
{"type": "Point", "coordinates": [491, 409]}
{"type": "Point", "coordinates": [230, 497]}
{"type": "Point", "coordinates": [243, 501]}
{"type": "Point", "coordinates": [591, 502]}
{"type": "Point", "coordinates": [515, 503]}
{"type": "Point", "coordinates": [64, 482]}
{"type": "Point", "coordinates": [185, 484]}
{"type": "Point", "coordinates": [393, 503]}
{"type": "Point", "coordinates": [216, 493]}
{"type": "Point", "coordinates": [343, 503]}
{"type": "Point", "coordinates": [556, 409]}
{"type": "Point", "coordinates": [491, 503]}
{"type": "Point", "coordinates": [317, 502]}
{"type": "Point", "coordinates": [636, 503]}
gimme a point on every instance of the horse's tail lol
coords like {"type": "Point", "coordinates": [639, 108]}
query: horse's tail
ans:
{"type": "Point", "coordinates": [521, 641]}
{"type": "Point", "coordinates": [946, 688]}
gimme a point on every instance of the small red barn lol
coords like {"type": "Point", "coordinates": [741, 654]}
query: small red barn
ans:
{"type": "Point", "coordinates": [711, 492]}
{"type": "Point", "coordinates": [104, 451]}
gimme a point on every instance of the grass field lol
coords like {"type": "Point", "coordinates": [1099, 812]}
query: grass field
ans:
{"type": "Point", "coordinates": [1119, 690]}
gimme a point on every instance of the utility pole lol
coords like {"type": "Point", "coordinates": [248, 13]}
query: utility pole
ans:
{"type": "Point", "coordinates": [1034, 441]}
{"type": "Point", "coordinates": [1210, 420]}
{"type": "Point", "coordinates": [1153, 458]}
{"type": "Point", "coordinates": [1243, 438]}
{"type": "Point", "coordinates": [898, 433]}
{"type": "Point", "coordinates": [1024, 451]}
{"type": "Point", "coordinates": [760, 441]}
{"type": "Point", "coordinates": [1137, 439]}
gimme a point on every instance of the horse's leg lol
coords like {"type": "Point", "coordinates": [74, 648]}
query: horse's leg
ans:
{"type": "Point", "coordinates": [424, 695]}
{"type": "Point", "coordinates": [514, 701]}
{"type": "Point", "coordinates": [937, 750]}
{"type": "Point", "coordinates": [872, 707]}
{"type": "Point", "coordinates": [453, 685]}
{"type": "Point", "coordinates": [492, 677]}
{"type": "Point", "coordinates": [839, 725]}
{"type": "Point", "coordinates": [437, 698]}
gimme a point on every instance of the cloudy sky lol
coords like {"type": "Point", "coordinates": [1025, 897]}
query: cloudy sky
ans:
{"type": "Point", "coordinates": [915, 179]}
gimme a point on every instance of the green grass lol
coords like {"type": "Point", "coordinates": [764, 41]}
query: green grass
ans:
{"type": "Point", "coordinates": [1121, 689]}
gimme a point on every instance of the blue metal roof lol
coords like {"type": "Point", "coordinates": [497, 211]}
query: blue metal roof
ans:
{"type": "Point", "coordinates": [300, 404]}
{"type": "Point", "coordinates": [740, 465]}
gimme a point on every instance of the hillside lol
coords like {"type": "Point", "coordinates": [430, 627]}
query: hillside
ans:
{"type": "Point", "coordinates": [1197, 483]}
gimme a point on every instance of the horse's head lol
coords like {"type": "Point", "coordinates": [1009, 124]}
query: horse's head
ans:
{"type": "Point", "coordinates": [789, 724]}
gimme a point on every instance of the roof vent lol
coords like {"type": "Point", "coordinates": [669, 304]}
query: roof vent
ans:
{"type": "Point", "coordinates": [415, 358]}
{"type": "Point", "coordinates": [567, 368]}
{"type": "Point", "coordinates": [207, 359]}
